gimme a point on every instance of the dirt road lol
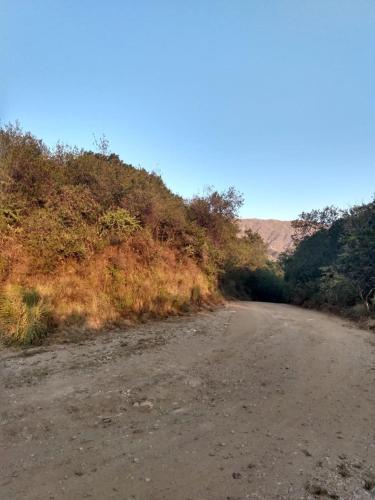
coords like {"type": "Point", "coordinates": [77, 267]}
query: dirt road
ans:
{"type": "Point", "coordinates": [251, 401]}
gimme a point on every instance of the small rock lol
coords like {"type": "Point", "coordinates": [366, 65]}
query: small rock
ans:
{"type": "Point", "coordinates": [146, 404]}
{"type": "Point", "coordinates": [236, 475]}
{"type": "Point", "coordinates": [315, 489]}
{"type": "Point", "coordinates": [343, 470]}
{"type": "Point", "coordinates": [370, 482]}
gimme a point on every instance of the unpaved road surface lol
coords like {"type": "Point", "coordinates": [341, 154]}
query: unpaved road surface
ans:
{"type": "Point", "coordinates": [253, 400]}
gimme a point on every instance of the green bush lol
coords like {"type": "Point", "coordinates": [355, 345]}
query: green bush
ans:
{"type": "Point", "coordinates": [50, 241]}
{"type": "Point", "coordinates": [118, 224]}
{"type": "Point", "coordinates": [75, 205]}
{"type": "Point", "coordinates": [8, 219]}
{"type": "Point", "coordinates": [336, 289]}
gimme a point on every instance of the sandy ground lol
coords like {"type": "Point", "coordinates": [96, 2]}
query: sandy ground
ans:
{"type": "Point", "coordinates": [251, 401]}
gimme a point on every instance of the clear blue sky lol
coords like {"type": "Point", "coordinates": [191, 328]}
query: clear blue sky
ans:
{"type": "Point", "coordinates": [275, 97]}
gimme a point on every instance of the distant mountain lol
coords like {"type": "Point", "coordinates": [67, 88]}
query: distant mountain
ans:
{"type": "Point", "coordinates": [276, 233]}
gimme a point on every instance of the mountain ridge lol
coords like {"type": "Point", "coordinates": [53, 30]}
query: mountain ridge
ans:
{"type": "Point", "coordinates": [276, 233]}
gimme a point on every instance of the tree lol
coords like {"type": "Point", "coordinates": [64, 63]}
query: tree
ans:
{"type": "Point", "coordinates": [309, 223]}
{"type": "Point", "coordinates": [334, 258]}
{"type": "Point", "coordinates": [217, 213]}
{"type": "Point", "coordinates": [357, 258]}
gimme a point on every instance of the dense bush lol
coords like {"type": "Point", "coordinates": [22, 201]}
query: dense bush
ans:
{"type": "Point", "coordinates": [333, 262]}
{"type": "Point", "coordinates": [118, 225]}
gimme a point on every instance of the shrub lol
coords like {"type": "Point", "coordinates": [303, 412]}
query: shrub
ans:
{"type": "Point", "coordinates": [336, 289]}
{"type": "Point", "coordinates": [75, 205]}
{"type": "Point", "coordinates": [24, 317]}
{"type": "Point", "coordinates": [50, 241]}
{"type": "Point", "coordinates": [118, 224]}
{"type": "Point", "coordinates": [8, 218]}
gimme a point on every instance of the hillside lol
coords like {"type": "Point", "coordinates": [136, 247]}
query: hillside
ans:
{"type": "Point", "coordinates": [87, 240]}
{"type": "Point", "coordinates": [276, 233]}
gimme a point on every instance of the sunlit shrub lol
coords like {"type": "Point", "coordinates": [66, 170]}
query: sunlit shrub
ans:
{"type": "Point", "coordinates": [50, 241]}
{"type": "Point", "coordinates": [118, 224]}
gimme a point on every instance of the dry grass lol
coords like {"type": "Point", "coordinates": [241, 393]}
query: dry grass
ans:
{"type": "Point", "coordinates": [119, 283]}
{"type": "Point", "coordinates": [24, 316]}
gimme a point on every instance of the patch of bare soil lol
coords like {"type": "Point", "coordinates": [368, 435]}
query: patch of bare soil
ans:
{"type": "Point", "coordinates": [251, 401]}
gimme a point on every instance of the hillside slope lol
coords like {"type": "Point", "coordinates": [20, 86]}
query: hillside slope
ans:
{"type": "Point", "coordinates": [276, 233]}
{"type": "Point", "coordinates": [88, 241]}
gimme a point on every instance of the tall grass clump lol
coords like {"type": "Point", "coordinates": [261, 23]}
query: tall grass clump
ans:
{"type": "Point", "coordinates": [24, 316]}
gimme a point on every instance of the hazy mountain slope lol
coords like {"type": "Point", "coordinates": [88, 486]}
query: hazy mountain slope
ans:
{"type": "Point", "coordinates": [276, 233]}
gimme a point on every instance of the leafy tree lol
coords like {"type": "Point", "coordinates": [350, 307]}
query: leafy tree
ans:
{"type": "Point", "coordinates": [217, 213]}
{"type": "Point", "coordinates": [334, 258]}
{"type": "Point", "coordinates": [309, 223]}
{"type": "Point", "coordinates": [357, 257]}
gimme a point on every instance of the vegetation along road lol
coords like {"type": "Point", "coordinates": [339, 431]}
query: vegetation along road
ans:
{"type": "Point", "coordinates": [253, 400]}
